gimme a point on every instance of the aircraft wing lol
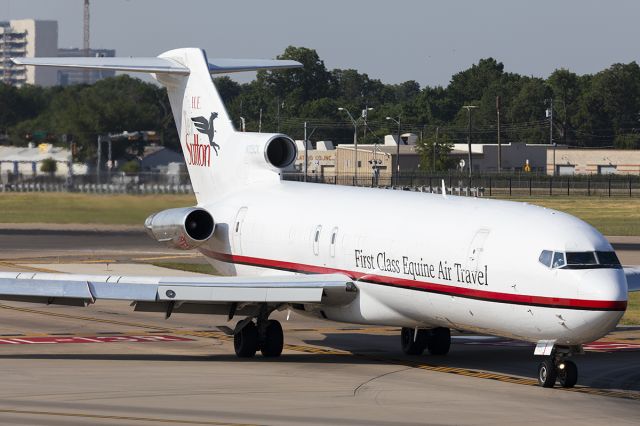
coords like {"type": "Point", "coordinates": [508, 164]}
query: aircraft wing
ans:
{"type": "Point", "coordinates": [633, 277]}
{"type": "Point", "coordinates": [158, 293]}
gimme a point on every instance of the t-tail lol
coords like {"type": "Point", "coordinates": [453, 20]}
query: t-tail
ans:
{"type": "Point", "coordinates": [218, 157]}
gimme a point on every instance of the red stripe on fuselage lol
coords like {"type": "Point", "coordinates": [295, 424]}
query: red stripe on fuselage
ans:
{"type": "Point", "coordinates": [470, 293]}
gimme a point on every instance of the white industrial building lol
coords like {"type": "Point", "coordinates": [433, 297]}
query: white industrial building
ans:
{"type": "Point", "coordinates": [27, 160]}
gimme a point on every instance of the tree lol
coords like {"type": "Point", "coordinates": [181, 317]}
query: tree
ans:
{"type": "Point", "coordinates": [434, 153]}
{"type": "Point", "coordinates": [49, 165]}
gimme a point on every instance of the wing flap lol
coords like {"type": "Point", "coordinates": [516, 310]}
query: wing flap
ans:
{"type": "Point", "coordinates": [633, 278]}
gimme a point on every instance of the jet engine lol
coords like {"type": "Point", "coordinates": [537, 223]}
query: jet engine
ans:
{"type": "Point", "coordinates": [280, 152]}
{"type": "Point", "coordinates": [183, 228]}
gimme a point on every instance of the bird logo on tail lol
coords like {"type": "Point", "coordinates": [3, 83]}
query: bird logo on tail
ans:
{"type": "Point", "coordinates": [206, 126]}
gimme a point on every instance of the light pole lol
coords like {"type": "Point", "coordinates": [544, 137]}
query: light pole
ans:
{"type": "Point", "coordinates": [550, 117]}
{"type": "Point", "coordinates": [470, 158]}
{"type": "Point", "coordinates": [365, 113]}
{"type": "Point", "coordinates": [355, 142]}
{"type": "Point", "coordinates": [397, 148]}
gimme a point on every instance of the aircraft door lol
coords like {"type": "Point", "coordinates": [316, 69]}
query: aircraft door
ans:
{"type": "Point", "coordinates": [476, 248]}
{"type": "Point", "coordinates": [237, 230]}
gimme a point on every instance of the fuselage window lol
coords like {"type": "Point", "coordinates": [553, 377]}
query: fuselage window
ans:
{"type": "Point", "coordinates": [558, 260]}
{"type": "Point", "coordinates": [316, 240]}
{"type": "Point", "coordinates": [545, 257]}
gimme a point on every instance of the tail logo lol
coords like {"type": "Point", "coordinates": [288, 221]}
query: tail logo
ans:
{"type": "Point", "coordinates": [206, 126]}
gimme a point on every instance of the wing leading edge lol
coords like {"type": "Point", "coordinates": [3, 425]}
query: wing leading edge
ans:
{"type": "Point", "coordinates": [633, 278]}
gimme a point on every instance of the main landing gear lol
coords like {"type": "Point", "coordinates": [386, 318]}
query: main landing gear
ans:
{"type": "Point", "coordinates": [436, 340]}
{"type": "Point", "coordinates": [557, 367]}
{"type": "Point", "coordinates": [263, 335]}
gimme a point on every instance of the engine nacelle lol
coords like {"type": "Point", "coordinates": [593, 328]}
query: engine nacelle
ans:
{"type": "Point", "coordinates": [280, 152]}
{"type": "Point", "coordinates": [183, 228]}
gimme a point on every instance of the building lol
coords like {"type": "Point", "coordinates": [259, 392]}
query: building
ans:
{"type": "Point", "coordinates": [28, 38]}
{"type": "Point", "coordinates": [515, 156]}
{"type": "Point", "coordinates": [321, 160]}
{"type": "Point", "coordinates": [66, 77]}
{"type": "Point", "coordinates": [593, 161]}
{"type": "Point", "coordinates": [27, 160]}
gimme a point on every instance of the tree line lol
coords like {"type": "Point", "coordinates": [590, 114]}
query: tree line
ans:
{"type": "Point", "coordinates": [593, 110]}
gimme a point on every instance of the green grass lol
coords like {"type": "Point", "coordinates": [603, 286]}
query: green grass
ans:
{"type": "Point", "coordinates": [632, 316]}
{"type": "Point", "coordinates": [200, 268]}
{"type": "Point", "coordinates": [611, 216]}
{"type": "Point", "coordinates": [66, 208]}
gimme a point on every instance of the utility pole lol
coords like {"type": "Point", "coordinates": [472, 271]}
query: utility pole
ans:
{"type": "Point", "coordinates": [355, 143]}
{"type": "Point", "coordinates": [550, 115]}
{"type": "Point", "coordinates": [365, 113]}
{"type": "Point", "coordinates": [306, 159]}
{"type": "Point", "coordinates": [499, 142]}
{"type": "Point", "coordinates": [85, 37]}
{"type": "Point", "coordinates": [260, 122]}
{"type": "Point", "coordinates": [470, 158]}
{"type": "Point", "coordinates": [435, 144]}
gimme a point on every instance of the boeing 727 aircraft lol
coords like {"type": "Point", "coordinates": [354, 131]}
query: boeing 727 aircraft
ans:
{"type": "Point", "coordinates": [496, 267]}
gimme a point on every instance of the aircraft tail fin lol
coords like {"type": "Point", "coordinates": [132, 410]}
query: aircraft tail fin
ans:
{"type": "Point", "coordinates": [204, 126]}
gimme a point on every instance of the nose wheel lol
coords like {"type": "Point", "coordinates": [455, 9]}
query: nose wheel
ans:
{"type": "Point", "coordinates": [551, 370]}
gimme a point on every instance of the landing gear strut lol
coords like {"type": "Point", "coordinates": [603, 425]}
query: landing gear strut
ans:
{"type": "Point", "coordinates": [558, 367]}
{"type": "Point", "coordinates": [436, 340]}
{"type": "Point", "coordinates": [264, 335]}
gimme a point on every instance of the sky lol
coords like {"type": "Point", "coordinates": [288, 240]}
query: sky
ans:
{"type": "Point", "coordinates": [394, 41]}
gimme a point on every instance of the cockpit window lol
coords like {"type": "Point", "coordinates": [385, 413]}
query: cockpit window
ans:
{"type": "Point", "coordinates": [581, 258]}
{"type": "Point", "coordinates": [545, 257]}
{"type": "Point", "coordinates": [558, 260]}
{"type": "Point", "coordinates": [608, 258]}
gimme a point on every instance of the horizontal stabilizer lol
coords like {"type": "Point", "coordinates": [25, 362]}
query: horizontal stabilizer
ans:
{"type": "Point", "coordinates": [159, 65]}
{"type": "Point", "coordinates": [151, 65]}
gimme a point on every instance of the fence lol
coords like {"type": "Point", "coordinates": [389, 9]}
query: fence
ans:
{"type": "Point", "coordinates": [105, 183]}
{"type": "Point", "coordinates": [487, 185]}
{"type": "Point", "coordinates": [493, 185]}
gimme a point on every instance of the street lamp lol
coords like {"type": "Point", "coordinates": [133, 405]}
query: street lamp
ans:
{"type": "Point", "coordinates": [355, 142]}
{"type": "Point", "coordinates": [469, 108]}
{"type": "Point", "coordinates": [397, 148]}
{"type": "Point", "coordinates": [364, 115]}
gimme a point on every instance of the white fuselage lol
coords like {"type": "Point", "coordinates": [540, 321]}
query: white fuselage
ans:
{"type": "Point", "coordinates": [424, 260]}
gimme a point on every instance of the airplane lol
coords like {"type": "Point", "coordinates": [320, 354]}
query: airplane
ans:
{"type": "Point", "coordinates": [426, 263]}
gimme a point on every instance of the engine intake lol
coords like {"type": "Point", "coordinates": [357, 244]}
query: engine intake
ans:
{"type": "Point", "coordinates": [280, 152]}
{"type": "Point", "coordinates": [183, 228]}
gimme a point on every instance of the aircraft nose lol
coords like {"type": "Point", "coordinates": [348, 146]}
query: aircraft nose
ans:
{"type": "Point", "coordinates": [603, 284]}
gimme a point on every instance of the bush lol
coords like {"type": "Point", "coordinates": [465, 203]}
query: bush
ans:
{"type": "Point", "coordinates": [131, 167]}
{"type": "Point", "coordinates": [49, 165]}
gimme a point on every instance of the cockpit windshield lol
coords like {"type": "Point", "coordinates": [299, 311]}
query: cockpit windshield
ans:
{"type": "Point", "coordinates": [579, 259]}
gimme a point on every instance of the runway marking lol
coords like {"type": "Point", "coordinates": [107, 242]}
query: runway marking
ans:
{"type": "Point", "coordinates": [368, 357]}
{"type": "Point", "coordinates": [28, 268]}
{"type": "Point", "coordinates": [92, 339]}
{"type": "Point", "coordinates": [128, 418]}
{"type": "Point", "coordinates": [600, 346]}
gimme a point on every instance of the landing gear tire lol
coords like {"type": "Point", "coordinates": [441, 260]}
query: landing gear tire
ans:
{"type": "Point", "coordinates": [273, 340]}
{"type": "Point", "coordinates": [411, 346]}
{"type": "Point", "coordinates": [439, 341]}
{"type": "Point", "coordinates": [245, 342]}
{"type": "Point", "coordinates": [568, 376]}
{"type": "Point", "coordinates": [547, 373]}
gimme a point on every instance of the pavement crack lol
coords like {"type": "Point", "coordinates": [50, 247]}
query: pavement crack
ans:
{"type": "Point", "coordinates": [357, 388]}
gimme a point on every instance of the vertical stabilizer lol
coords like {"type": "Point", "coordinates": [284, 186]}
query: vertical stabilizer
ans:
{"type": "Point", "coordinates": [201, 119]}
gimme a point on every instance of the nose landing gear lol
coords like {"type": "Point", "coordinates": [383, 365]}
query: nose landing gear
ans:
{"type": "Point", "coordinates": [558, 368]}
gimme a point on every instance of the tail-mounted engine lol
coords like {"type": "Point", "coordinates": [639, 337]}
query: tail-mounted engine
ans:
{"type": "Point", "coordinates": [182, 228]}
